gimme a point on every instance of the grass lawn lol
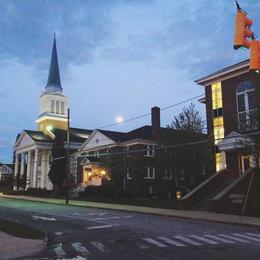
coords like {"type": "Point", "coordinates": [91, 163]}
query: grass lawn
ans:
{"type": "Point", "coordinates": [19, 230]}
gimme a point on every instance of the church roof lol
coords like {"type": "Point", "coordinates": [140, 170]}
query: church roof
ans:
{"type": "Point", "coordinates": [54, 83]}
{"type": "Point", "coordinates": [77, 135]}
{"type": "Point", "coordinates": [38, 136]}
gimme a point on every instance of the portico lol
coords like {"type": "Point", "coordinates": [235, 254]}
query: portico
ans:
{"type": "Point", "coordinates": [32, 157]}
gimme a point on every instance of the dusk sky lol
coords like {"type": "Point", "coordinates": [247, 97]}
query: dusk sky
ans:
{"type": "Point", "coordinates": [117, 58]}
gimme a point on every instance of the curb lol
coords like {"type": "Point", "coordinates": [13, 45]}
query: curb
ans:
{"type": "Point", "coordinates": [184, 214]}
{"type": "Point", "coordinates": [32, 248]}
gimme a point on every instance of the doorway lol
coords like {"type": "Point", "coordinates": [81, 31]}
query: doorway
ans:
{"type": "Point", "coordinates": [245, 163]}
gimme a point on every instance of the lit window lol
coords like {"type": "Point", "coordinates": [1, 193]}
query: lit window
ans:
{"type": "Point", "coordinates": [218, 161]}
{"type": "Point", "coordinates": [149, 151]}
{"type": "Point", "coordinates": [217, 105]}
{"type": "Point", "coordinates": [216, 95]}
{"type": "Point", "coordinates": [246, 105]}
{"type": "Point", "coordinates": [150, 174]}
{"type": "Point", "coordinates": [218, 129]}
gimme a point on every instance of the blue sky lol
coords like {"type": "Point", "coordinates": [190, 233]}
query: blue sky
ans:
{"type": "Point", "coordinates": [116, 57]}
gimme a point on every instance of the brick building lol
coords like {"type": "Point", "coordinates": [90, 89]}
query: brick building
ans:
{"type": "Point", "coordinates": [143, 161]}
{"type": "Point", "coordinates": [230, 98]}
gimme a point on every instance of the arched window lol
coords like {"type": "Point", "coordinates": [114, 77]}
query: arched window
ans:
{"type": "Point", "coordinates": [246, 105]}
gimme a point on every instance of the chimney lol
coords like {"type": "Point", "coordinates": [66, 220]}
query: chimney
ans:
{"type": "Point", "coordinates": [156, 122]}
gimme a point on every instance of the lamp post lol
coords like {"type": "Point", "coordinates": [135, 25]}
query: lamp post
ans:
{"type": "Point", "coordinates": [68, 161]}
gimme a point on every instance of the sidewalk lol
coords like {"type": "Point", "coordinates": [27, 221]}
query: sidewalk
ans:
{"type": "Point", "coordinates": [12, 247]}
{"type": "Point", "coordinates": [189, 214]}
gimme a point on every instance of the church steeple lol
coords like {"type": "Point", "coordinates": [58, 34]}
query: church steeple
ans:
{"type": "Point", "coordinates": [53, 103]}
{"type": "Point", "coordinates": [53, 83]}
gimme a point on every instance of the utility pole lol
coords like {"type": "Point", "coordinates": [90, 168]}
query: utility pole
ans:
{"type": "Point", "coordinates": [68, 161]}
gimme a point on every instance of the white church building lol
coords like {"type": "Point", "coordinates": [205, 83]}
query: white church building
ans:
{"type": "Point", "coordinates": [33, 148]}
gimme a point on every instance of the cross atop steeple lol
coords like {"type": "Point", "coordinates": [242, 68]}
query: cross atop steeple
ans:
{"type": "Point", "coordinates": [53, 83]}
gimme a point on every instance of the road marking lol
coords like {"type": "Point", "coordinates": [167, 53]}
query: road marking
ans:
{"type": "Point", "coordinates": [77, 258]}
{"type": "Point", "coordinates": [154, 242]}
{"type": "Point", "coordinates": [171, 242]}
{"type": "Point", "coordinates": [246, 237]}
{"type": "Point", "coordinates": [206, 240]}
{"type": "Point", "coordinates": [219, 239]}
{"type": "Point", "coordinates": [141, 245]}
{"type": "Point", "coordinates": [59, 251]}
{"type": "Point", "coordinates": [43, 218]}
{"type": "Point", "coordinates": [80, 248]}
{"type": "Point", "coordinates": [234, 238]}
{"type": "Point", "coordinates": [105, 218]}
{"type": "Point", "coordinates": [99, 246]}
{"type": "Point", "coordinates": [100, 227]}
{"type": "Point", "coordinates": [253, 234]}
{"type": "Point", "coordinates": [188, 240]}
{"type": "Point", "coordinates": [113, 217]}
{"type": "Point", "coordinates": [58, 233]}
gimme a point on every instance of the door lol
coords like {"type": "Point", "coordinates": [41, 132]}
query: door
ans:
{"type": "Point", "coordinates": [245, 161]}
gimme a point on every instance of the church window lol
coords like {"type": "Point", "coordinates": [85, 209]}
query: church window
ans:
{"type": "Point", "coordinates": [150, 174]}
{"type": "Point", "coordinates": [62, 107]}
{"type": "Point", "coordinates": [129, 174]}
{"type": "Point", "coordinates": [246, 105]}
{"type": "Point", "coordinates": [149, 151]}
{"type": "Point", "coordinates": [52, 106]}
{"type": "Point", "coordinates": [57, 107]}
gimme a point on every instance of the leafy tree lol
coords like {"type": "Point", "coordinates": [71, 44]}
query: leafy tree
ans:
{"type": "Point", "coordinates": [115, 165]}
{"type": "Point", "coordinates": [57, 173]}
{"type": "Point", "coordinates": [192, 154]}
{"type": "Point", "coordinates": [189, 119]}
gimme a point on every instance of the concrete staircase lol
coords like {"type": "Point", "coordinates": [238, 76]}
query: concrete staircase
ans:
{"type": "Point", "coordinates": [223, 192]}
{"type": "Point", "coordinates": [206, 190]}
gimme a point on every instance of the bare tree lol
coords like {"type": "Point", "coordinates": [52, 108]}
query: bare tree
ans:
{"type": "Point", "coordinates": [189, 119]}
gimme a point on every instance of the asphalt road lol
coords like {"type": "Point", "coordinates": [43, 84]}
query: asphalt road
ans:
{"type": "Point", "coordinates": [83, 233]}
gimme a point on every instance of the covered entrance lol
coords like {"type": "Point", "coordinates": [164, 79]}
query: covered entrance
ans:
{"type": "Point", "coordinates": [236, 148]}
{"type": "Point", "coordinates": [93, 173]}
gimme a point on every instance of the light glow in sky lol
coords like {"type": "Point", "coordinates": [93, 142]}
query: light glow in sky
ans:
{"type": "Point", "coordinates": [119, 119]}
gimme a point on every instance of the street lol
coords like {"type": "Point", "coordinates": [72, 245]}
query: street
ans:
{"type": "Point", "coordinates": [83, 233]}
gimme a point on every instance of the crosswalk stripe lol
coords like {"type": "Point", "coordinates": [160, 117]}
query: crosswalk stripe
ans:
{"type": "Point", "coordinates": [59, 250]}
{"type": "Point", "coordinates": [234, 238]}
{"type": "Point", "coordinates": [246, 237]}
{"type": "Point", "coordinates": [188, 240]}
{"type": "Point", "coordinates": [171, 242]}
{"type": "Point", "coordinates": [80, 248]}
{"type": "Point", "coordinates": [99, 227]}
{"type": "Point", "coordinates": [141, 245]}
{"type": "Point", "coordinates": [253, 234]}
{"type": "Point", "coordinates": [206, 240]}
{"type": "Point", "coordinates": [99, 246]}
{"type": "Point", "coordinates": [154, 242]}
{"type": "Point", "coordinates": [219, 239]}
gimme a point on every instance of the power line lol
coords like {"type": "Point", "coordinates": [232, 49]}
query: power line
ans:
{"type": "Point", "coordinates": [147, 114]}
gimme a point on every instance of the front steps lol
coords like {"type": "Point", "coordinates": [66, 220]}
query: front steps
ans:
{"type": "Point", "coordinates": [225, 193]}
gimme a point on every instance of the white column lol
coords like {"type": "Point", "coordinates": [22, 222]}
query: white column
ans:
{"type": "Point", "coordinates": [22, 168]}
{"type": "Point", "coordinates": [35, 168]}
{"type": "Point", "coordinates": [28, 173]}
{"type": "Point", "coordinates": [43, 170]}
{"type": "Point", "coordinates": [223, 160]}
{"type": "Point", "coordinates": [16, 168]}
